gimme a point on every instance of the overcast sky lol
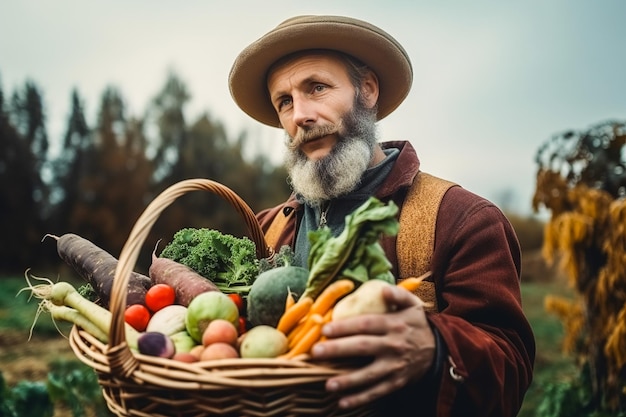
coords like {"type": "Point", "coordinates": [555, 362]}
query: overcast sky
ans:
{"type": "Point", "coordinates": [493, 79]}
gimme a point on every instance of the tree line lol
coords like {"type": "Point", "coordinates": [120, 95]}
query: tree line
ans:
{"type": "Point", "coordinates": [108, 171]}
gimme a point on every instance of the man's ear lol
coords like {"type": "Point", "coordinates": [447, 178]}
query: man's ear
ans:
{"type": "Point", "coordinates": [369, 89]}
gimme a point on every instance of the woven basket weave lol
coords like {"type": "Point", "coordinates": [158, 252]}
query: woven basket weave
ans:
{"type": "Point", "coordinates": [141, 385]}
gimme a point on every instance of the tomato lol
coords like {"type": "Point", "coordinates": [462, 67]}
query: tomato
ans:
{"type": "Point", "coordinates": [242, 325]}
{"type": "Point", "coordinates": [159, 296]}
{"type": "Point", "coordinates": [138, 316]}
{"type": "Point", "coordinates": [238, 299]}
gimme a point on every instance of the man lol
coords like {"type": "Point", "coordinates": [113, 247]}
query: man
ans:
{"type": "Point", "coordinates": [327, 80]}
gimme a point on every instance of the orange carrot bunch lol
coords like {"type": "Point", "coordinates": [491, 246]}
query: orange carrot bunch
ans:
{"type": "Point", "coordinates": [302, 321]}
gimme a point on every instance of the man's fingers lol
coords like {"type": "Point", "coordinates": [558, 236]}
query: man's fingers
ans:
{"type": "Point", "coordinates": [399, 298]}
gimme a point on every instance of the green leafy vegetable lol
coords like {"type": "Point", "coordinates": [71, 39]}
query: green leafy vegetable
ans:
{"type": "Point", "coordinates": [284, 257]}
{"type": "Point", "coordinates": [87, 291]}
{"type": "Point", "coordinates": [355, 253]}
{"type": "Point", "coordinates": [226, 260]}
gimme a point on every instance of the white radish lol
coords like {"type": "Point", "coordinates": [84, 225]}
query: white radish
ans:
{"type": "Point", "coordinates": [64, 294]}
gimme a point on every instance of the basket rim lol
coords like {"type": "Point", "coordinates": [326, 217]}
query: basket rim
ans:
{"type": "Point", "coordinates": [204, 375]}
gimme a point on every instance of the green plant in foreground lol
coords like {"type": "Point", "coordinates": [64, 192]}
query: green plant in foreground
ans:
{"type": "Point", "coordinates": [572, 398]}
{"type": "Point", "coordinates": [76, 385]}
{"type": "Point", "coordinates": [69, 382]}
{"type": "Point", "coordinates": [26, 399]}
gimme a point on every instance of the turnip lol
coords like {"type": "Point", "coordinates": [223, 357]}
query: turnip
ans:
{"type": "Point", "coordinates": [168, 320]}
{"type": "Point", "coordinates": [156, 344]}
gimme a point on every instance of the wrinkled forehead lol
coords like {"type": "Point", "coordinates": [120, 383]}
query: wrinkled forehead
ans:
{"type": "Point", "coordinates": [349, 63]}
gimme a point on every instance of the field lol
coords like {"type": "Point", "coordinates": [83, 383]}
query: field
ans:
{"type": "Point", "coordinates": [24, 359]}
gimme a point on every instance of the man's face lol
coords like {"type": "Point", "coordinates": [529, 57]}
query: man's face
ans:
{"type": "Point", "coordinates": [330, 130]}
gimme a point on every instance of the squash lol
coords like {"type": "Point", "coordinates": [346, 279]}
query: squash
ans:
{"type": "Point", "coordinates": [266, 299]}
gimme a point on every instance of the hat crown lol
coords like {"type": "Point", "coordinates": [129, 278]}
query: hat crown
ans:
{"type": "Point", "coordinates": [359, 39]}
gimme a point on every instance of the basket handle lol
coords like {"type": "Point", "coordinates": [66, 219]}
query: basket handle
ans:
{"type": "Point", "coordinates": [121, 359]}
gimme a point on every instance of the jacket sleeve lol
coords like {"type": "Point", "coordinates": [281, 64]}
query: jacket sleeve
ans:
{"type": "Point", "coordinates": [488, 343]}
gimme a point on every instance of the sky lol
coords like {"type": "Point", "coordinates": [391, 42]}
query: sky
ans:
{"type": "Point", "coordinates": [493, 80]}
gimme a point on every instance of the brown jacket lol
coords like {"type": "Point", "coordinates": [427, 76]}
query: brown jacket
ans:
{"type": "Point", "coordinates": [486, 347]}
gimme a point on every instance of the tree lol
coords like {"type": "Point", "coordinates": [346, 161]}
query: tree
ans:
{"type": "Point", "coordinates": [29, 120]}
{"type": "Point", "coordinates": [114, 177]}
{"type": "Point", "coordinates": [581, 179]}
{"type": "Point", "coordinates": [67, 167]}
{"type": "Point", "coordinates": [167, 110]}
{"type": "Point", "coordinates": [23, 201]}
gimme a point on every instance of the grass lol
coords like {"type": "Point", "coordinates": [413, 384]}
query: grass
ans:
{"type": "Point", "coordinates": [551, 364]}
{"type": "Point", "coordinates": [17, 313]}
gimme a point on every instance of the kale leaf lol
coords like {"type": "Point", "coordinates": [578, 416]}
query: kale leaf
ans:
{"type": "Point", "coordinates": [228, 261]}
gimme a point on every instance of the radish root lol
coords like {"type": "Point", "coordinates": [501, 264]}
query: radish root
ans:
{"type": "Point", "coordinates": [40, 291]}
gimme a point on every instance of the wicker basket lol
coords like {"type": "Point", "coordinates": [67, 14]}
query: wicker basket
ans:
{"type": "Point", "coordinates": [141, 385]}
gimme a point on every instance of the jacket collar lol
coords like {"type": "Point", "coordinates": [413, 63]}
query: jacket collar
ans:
{"type": "Point", "coordinates": [404, 170]}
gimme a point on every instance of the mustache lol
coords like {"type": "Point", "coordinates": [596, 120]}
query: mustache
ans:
{"type": "Point", "coordinates": [312, 133]}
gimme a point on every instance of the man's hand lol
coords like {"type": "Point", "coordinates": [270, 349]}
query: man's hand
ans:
{"type": "Point", "coordinates": [401, 344]}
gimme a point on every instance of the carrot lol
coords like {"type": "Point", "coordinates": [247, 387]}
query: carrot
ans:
{"type": "Point", "coordinates": [187, 283]}
{"type": "Point", "coordinates": [301, 329]}
{"type": "Point", "coordinates": [291, 317]}
{"type": "Point", "coordinates": [308, 338]}
{"type": "Point", "coordinates": [305, 324]}
{"type": "Point", "coordinates": [97, 267]}
{"type": "Point", "coordinates": [331, 294]}
{"type": "Point", "coordinates": [412, 283]}
{"type": "Point", "coordinates": [290, 300]}
{"type": "Point", "coordinates": [322, 305]}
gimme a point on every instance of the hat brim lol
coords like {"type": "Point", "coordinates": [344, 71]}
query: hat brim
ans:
{"type": "Point", "coordinates": [365, 42]}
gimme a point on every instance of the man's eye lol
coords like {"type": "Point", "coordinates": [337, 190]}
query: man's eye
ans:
{"type": "Point", "coordinates": [283, 103]}
{"type": "Point", "coordinates": [319, 87]}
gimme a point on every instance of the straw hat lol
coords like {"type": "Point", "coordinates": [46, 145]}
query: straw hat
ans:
{"type": "Point", "coordinates": [364, 41]}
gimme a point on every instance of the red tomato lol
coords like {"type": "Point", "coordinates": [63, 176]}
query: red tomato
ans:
{"type": "Point", "coordinates": [242, 325]}
{"type": "Point", "coordinates": [238, 300]}
{"type": "Point", "coordinates": [138, 316]}
{"type": "Point", "coordinates": [159, 296]}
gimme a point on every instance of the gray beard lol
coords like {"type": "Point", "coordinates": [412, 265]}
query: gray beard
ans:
{"type": "Point", "coordinates": [339, 172]}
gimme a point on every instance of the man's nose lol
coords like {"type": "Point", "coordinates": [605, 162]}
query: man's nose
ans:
{"type": "Point", "coordinates": [303, 112]}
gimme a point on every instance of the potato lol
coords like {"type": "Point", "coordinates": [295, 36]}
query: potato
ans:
{"type": "Point", "coordinates": [220, 330]}
{"type": "Point", "coordinates": [367, 299]}
{"type": "Point", "coordinates": [185, 357]}
{"type": "Point", "coordinates": [197, 351]}
{"type": "Point", "coordinates": [219, 350]}
{"type": "Point", "coordinates": [263, 342]}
